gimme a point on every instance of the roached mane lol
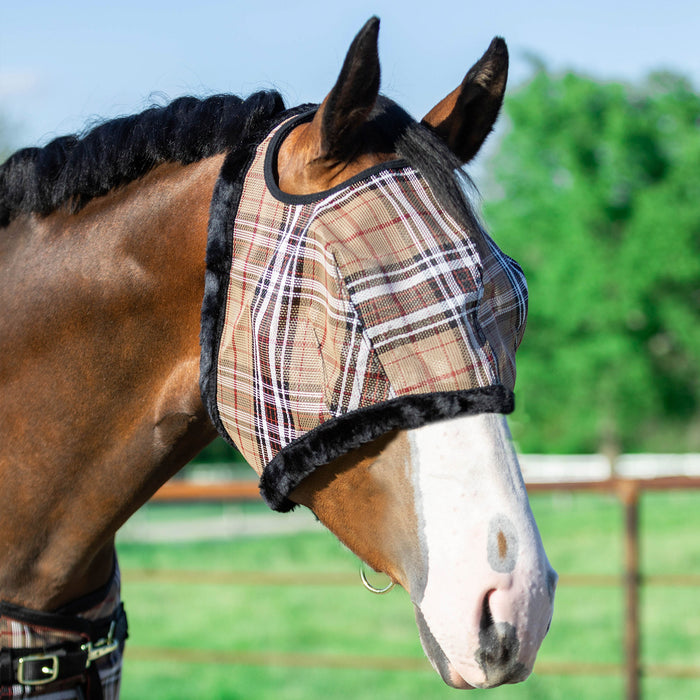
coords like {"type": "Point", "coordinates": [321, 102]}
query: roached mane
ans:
{"type": "Point", "coordinates": [72, 170]}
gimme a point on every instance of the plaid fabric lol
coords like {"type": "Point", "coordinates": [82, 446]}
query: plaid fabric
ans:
{"type": "Point", "coordinates": [20, 635]}
{"type": "Point", "coordinates": [363, 294]}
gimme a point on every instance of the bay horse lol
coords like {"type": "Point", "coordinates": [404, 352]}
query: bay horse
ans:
{"type": "Point", "coordinates": [364, 326]}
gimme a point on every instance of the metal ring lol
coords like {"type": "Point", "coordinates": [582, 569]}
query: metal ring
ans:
{"type": "Point", "coordinates": [370, 587]}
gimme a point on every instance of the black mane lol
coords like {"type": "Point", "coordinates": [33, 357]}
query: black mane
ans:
{"type": "Point", "coordinates": [72, 170]}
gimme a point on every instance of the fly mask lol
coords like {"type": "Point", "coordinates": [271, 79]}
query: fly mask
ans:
{"type": "Point", "coordinates": [348, 313]}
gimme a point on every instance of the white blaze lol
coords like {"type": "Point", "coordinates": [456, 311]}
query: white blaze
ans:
{"type": "Point", "coordinates": [480, 542]}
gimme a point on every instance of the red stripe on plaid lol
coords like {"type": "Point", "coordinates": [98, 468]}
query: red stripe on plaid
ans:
{"type": "Point", "coordinates": [360, 295]}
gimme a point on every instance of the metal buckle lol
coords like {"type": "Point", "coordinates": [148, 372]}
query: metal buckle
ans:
{"type": "Point", "coordinates": [50, 671]}
{"type": "Point", "coordinates": [102, 647]}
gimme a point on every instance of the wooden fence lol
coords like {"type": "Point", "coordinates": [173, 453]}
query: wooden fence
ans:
{"type": "Point", "coordinates": [628, 491]}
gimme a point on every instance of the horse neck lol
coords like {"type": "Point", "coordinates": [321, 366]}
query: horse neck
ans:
{"type": "Point", "coordinates": [99, 374]}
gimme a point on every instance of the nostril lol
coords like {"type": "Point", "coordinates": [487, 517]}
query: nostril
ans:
{"type": "Point", "coordinates": [498, 648]}
{"type": "Point", "coordinates": [497, 641]}
{"type": "Point", "coordinates": [486, 620]}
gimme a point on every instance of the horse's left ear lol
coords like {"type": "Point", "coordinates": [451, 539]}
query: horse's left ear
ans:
{"type": "Point", "coordinates": [466, 116]}
{"type": "Point", "coordinates": [349, 103]}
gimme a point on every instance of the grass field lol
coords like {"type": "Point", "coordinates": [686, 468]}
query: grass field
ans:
{"type": "Point", "coordinates": [200, 637]}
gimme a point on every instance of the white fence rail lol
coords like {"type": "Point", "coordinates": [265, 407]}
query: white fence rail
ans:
{"type": "Point", "coordinates": [539, 469]}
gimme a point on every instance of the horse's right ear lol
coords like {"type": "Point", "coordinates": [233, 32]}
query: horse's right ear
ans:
{"type": "Point", "coordinates": [349, 103]}
{"type": "Point", "coordinates": [466, 116]}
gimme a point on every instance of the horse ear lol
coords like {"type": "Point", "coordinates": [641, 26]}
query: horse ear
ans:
{"type": "Point", "coordinates": [349, 103]}
{"type": "Point", "coordinates": [466, 116]}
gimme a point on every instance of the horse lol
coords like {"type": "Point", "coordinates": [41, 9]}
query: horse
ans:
{"type": "Point", "coordinates": [327, 261]}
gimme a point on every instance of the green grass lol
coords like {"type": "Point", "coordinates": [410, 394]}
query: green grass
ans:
{"type": "Point", "coordinates": [163, 681]}
{"type": "Point", "coordinates": [582, 534]}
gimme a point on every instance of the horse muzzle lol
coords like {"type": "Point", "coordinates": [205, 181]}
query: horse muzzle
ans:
{"type": "Point", "coordinates": [485, 591]}
{"type": "Point", "coordinates": [499, 644]}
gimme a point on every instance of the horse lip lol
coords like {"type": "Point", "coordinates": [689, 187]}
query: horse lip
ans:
{"type": "Point", "coordinates": [437, 657]}
{"type": "Point", "coordinates": [456, 681]}
{"type": "Point", "coordinates": [515, 672]}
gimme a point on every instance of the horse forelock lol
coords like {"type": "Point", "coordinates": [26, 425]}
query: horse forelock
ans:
{"type": "Point", "coordinates": [418, 143]}
{"type": "Point", "coordinates": [72, 170]}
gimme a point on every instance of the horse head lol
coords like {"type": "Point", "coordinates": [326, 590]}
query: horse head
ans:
{"type": "Point", "coordinates": [358, 334]}
{"type": "Point", "coordinates": [393, 319]}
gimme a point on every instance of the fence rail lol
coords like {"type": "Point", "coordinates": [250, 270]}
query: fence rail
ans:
{"type": "Point", "coordinates": [378, 663]}
{"type": "Point", "coordinates": [628, 490]}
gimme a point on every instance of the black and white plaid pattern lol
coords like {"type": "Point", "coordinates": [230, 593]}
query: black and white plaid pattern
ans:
{"type": "Point", "coordinates": [360, 295]}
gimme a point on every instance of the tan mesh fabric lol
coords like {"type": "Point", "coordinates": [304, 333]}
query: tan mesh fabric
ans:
{"type": "Point", "coordinates": [361, 295]}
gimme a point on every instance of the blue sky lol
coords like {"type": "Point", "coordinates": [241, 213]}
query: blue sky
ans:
{"type": "Point", "coordinates": [66, 64]}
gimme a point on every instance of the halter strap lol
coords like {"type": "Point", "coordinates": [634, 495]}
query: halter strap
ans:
{"type": "Point", "coordinates": [76, 647]}
{"type": "Point", "coordinates": [34, 667]}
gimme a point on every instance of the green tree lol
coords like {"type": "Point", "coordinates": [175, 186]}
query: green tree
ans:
{"type": "Point", "coordinates": [600, 204]}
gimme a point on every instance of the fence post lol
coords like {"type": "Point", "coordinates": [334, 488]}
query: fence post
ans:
{"type": "Point", "coordinates": [629, 495]}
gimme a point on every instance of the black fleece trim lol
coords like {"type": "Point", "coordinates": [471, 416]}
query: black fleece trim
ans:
{"type": "Point", "coordinates": [340, 435]}
{"type": "Point", "coordinates": [270, 168]}
{"type": "Point", "coordinates": [222, 215]}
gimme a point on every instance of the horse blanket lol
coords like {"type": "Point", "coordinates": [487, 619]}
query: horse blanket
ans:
{"type": "Point", "coordinates": [53, 644]}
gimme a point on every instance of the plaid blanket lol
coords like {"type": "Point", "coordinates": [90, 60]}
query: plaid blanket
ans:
{"type": "Point", "coordinates": [353, 312]}
{"type": "Point", "coordinates": [18, 634]}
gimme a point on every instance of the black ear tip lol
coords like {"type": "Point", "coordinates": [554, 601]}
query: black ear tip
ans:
{"type": "Point", "coordinates": [367, 36]}
{"type": "Point", "coordinates": [498, 46]}
{"type": "Point", "coordinates": [371, 26]}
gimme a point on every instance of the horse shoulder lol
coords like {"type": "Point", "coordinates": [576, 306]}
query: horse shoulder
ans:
{"type": "Point", "coordinates": [106, 303]}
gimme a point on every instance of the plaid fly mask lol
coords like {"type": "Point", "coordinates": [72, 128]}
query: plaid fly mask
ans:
{"type": "Point", "coordinates": [346, 314]}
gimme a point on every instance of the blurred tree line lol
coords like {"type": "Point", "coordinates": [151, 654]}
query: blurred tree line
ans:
{"type": "Point", "coordinates": [598, 198]}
